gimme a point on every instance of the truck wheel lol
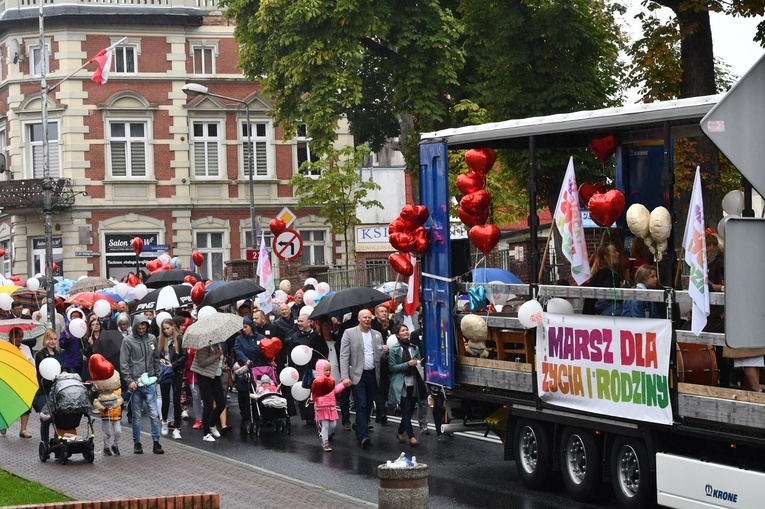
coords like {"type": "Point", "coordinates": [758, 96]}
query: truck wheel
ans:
{"type": "Point", "coordinates": [533, 455]}
{"type": "Point", "coordinates": [632, 481]}
{"type": "Point", "coordinates": [580, 464]}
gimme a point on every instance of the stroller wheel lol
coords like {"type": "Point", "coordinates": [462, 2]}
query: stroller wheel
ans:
{"type": "Point", "coordinates": [43, 451]}
{"type": "Point", "coordinates": [64, 456]}
{"type": "Point", "coordinates": [89, 454]}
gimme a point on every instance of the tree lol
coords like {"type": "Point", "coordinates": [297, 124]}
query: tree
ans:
{"type": "Point", "coordinates": [339, 189]}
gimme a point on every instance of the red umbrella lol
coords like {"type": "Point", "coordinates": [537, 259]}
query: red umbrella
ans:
{"type": "Point", "coordinates": [88, 299]}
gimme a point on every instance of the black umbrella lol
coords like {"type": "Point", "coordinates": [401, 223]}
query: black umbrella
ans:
{"type": "Point", "coordinates": [170, 277]}
{"type": "Point", "coordinates": [109, 344]}
{"type": "Point", "coordinates": [231, 291]}
{"type": "Point", "coordinates": [169, 297]}
{"type": "Point", "coordinates": [341, 302]}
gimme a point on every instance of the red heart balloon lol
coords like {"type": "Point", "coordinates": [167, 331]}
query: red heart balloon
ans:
{"type": "Point", "coordinates": [197, 293]}
{"type": "Point", "coordinates": [401, 241]}
{"type": "Point", "coordinates": [480, 160]}
{"type": "Point", "coordinates": [99, 367]}
{"type": "Point", "coordinates": [421, 241]}
{"type": "Point", "coordinates": [137, 245]}
{"type": "Point", "coordinates": [198, 258]}
{"type": "Point", "coordinates": [154, 265]}
{"type": "Point", "coordinates": [397, 225]}
{"type": "Point", "coordinates": [270, 347]}
{"type": "Point", "coordinates": [401, 263]}
{"type": "Point", "coordinates": [277, 226]}
{"type": "Point", "coordinates": [54, 266]}
{"type": "Point", "coordinates": [132, 280]}
{"type": "Point", "coordinates": [470, 220]}
{"type": "Point", "coordinates": [476, 203]}
{"type": "Point", "coordinates": [409, 215]}
{"type": "Point", "coordinates": [470, 182]}
{"type": "Point", "coordinates": [603, 147]}
{"type": "Point", "coordinates": [484, 237]}
{"type": "Point", "coordinates": [2, 251]}
{"type": "Point", "coordinates": [422, 214]}
{"type": "Point", "coordinates": [322, 386]}
{"type": "Point", "coordinates": [586, 191]}
{"type": "Point", "coordinates": [190, 279]}
{"type": "Point", "coordinates": [606, 208]}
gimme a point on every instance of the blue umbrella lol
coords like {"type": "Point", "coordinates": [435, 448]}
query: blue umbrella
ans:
{"type": "Point", "coordinates": [489, 275]}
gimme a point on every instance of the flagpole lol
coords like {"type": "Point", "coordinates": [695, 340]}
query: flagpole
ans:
{"type": "Point", "coordinates": [108, 48]}
{"type": "Point", "coordinates": [544, 255]}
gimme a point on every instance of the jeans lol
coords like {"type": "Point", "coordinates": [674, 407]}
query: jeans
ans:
{"type": "Point", "coordinates": [344, 400]}
{"type": "Point", "coordinates": [364, 395]}
{"type": "Point", "coordinates": [148, 395]}
{"type": "Point", "coordinates": [407, 409]}
{"type": "Point", "coordinates": [175, 386]}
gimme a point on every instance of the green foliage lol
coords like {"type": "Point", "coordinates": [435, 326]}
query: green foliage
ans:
{"type": "Point", "coordinates": [17, 491]}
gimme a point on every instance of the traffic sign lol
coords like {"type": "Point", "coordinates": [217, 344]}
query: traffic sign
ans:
{"type": "Point", "coordinates": [287, 245]}
{"type": "Point", "coordinates": [737, 125]}
{"type": "Point", "coordinates": [252, 255]}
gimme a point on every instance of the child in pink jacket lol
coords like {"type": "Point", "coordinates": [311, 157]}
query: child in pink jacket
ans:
{"type": "Point", "coordinates": [325, 407]}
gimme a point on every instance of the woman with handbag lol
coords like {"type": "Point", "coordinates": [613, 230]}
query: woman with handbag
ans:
{"type": "Point", "coordinates": [406, 385]}
{"type": "Point", "coordinates": [172, 359]}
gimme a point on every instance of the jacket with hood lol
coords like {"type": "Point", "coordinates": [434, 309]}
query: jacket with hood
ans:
{"type": "Point", "coordinates": [69, 344]}
{"type": "Point", "coordinates": [247, 348]}
{"type": "Point", "coordinates": [139, 353]}
{"type": "Point", "coordinates": [328, 401]}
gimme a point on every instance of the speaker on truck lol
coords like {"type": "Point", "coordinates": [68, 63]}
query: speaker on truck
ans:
{"type": "Point", "coordinates": [461, 259]}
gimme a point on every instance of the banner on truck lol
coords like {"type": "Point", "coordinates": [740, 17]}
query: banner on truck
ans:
{"type": "Point", "coordinates": [606, 365]}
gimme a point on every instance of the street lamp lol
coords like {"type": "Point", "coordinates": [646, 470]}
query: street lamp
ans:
{"type": "Point", "coordinates": [195, 89]}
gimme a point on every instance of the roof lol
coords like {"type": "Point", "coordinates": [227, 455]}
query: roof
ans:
{"type": "Point", "coordinates": [574, 129]}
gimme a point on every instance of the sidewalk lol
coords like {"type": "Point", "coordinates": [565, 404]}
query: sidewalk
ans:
{"type": "Point", "coordinates": [181, 470]}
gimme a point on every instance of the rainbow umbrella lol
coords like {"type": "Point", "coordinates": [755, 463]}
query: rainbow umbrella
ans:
{"type": "Point", "coordinates": [18, 384]}
{"type": "Point", "coordinates": [29, 298]}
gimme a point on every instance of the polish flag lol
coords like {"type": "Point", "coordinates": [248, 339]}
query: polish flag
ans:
{"type": "Point", "coordinates": [413, 295]}
{"type": "Point", "coordinates": [104, 60]}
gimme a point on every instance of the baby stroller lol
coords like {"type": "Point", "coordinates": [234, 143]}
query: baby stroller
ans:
{"type": "Point", "coordinates": [67, 402]}
{"type": "Point", "coordinates": [270, 407]}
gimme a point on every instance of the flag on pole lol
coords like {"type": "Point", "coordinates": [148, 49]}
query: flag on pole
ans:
{"type": "Point", "coordinates": [695, 245]}
{"type": "Point", "coordinates": [413, 294]}
{"type": "Point", "coordinates": [568, 219]}
{"type": "Point", "coordinates": [265, 277]}
{"type": "Point", "coordinates": [104, 60]}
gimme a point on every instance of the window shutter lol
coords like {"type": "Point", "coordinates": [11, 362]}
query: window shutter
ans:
{"type": "Point", "coordinates": [261, 159]}
{"type": "Point", "coordinates": [119, 163]}
{"type": "Point", "coordinates": [138, 159]}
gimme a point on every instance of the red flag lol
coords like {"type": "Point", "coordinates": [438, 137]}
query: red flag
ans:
{"type": "Point", "coordinates": [104, 60]}
{"type": "Point", "coordinates": [413, 295]}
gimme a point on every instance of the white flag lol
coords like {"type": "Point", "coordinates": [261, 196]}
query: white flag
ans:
{"type": "Point", "coordinates": [695, 244]}
{"type": "Point", "coordinates": [265, 277]}
{"type": "Point", "coordinates": [568, 219]}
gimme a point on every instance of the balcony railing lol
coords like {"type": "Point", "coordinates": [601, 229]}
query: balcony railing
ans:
{"type": "Point", "coordinates": [21, 4]}
{"type": "Point", "coordinates": [17, 196]}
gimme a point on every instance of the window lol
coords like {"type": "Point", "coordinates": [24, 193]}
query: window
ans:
{"type": "Point", "coordinates": [204, 60]}
{"type": "Point", "coordinates": [36, 150]}
{"type": "Point", "coordinates": [210, 245]}
{"type": "Point", "coordinates": [269, 239]}
{"type": "Point", "coordinates": [128, 145]}
{"type": "Point", "coordinates": [205, 144]}
{"type": "Point", "coordinates": [302, 142]}
{"type": "Point", "coordinates": [3, 146]}
{"type": "Point", "coordinates": [261, 137]}
{"type": "Point", "coordinates": [377, 271]}
{"type": "Point", "coordinates": [125, 60]}
{"type": "Point", "coordinates": [37, 60]}
{"type": "Point", "coordinates": [314, 247]}
{"type": "Point", "coordinates": [5, 260]}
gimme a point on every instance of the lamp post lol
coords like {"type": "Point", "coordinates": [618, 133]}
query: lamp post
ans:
{"type": "Point", "coordinates": [195, 89]}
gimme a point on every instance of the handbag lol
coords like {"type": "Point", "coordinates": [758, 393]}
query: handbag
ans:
{"type": "Point", "coordinates": [308, 379]}
{"type": "Point", "coordinates": [166, 374]}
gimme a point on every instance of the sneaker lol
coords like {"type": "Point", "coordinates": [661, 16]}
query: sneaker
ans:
{"type": "Point", "coordinates": [413, 442]}
{"type": "Point", "coordinates": [24, 434]}
{"type": "Point", "coordinates": [214, 432]}
{"type": "Point", "coordinates": [185, 415]}
{"type": "Point", "coordinates": [424, 431]}
{"type": "Point", "coordinates": [197, 424]}
{"type": "Point", "coordinates": [138, 448]}
{"type": "Point", "coordinates": [107, 451]}
{"type": "Point", "coordinates": [176, 434]}
{"type": "Point", "coordinates": [116, 450]}
{"type": "Point", "coordinates": [157, 449]}
{"type": "Point", "coordinates": [370, 427]}
{"type": "Point", "coordinates": [366, 443]}
{"type": "Point", "coordinates": [441, 439]}
{"type": "Point", "coordinates": [326, 447]}
{"type": "Point", "coordinates": [347, 426]}
{"type": "Point", "coordinates": [208, 438]}
{"type": "Point", "coordinates": [164, 430]}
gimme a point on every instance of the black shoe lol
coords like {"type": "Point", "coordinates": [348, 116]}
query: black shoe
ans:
{"type": "Point", "coordinates": [366, 443]}
{"type": "Point", "coordinates": [138, 448]}
{"type": "Point", "coordinates": [157, 449]}
{"type": "Point", "coordinates": [116, 450]}
{"type": "Point", "coordinates": [353, 426]}
{"type": "Point", "coordinates": [383, 421]}
{"type": "Point", "coordinates": [107, 452]}
{"type": "Point", "coordinates": [225, 431]}
{"type": "Point", "coordinates": [370, 427]}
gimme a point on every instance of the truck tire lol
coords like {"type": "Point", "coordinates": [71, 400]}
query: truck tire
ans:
{"type": "Point", "coordinates": [633, 484]}
{"type": "Point", "coordinates": [533, 454]}
{"type": "Point", "coordinates": [580, 464]}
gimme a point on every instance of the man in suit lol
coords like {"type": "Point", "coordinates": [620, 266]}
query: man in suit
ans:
{"type": "Point", "coordinates": [361, 352]}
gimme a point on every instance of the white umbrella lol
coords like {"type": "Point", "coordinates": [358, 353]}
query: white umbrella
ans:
{"type": "Point", "coordinates": [392, 289]}
{"type": "Point", "coordinates": [169, 297]}
{"type": "Point", "coordinates": [212, 329]}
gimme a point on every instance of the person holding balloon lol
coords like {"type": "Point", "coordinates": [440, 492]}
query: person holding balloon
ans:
{"type": "Point", "coordinates": [69, 340]}
{"type": "Point", "coordinates": [48, 365]}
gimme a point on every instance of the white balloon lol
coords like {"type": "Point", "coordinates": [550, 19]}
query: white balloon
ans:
{"type": "Point", "coordinates": [162, 316]}
{"type": "Point", "coordinates": [44, 313]}
{"type": "Point", "coordinates": [122, 289]}
{"type": "Point", "coordinates": [306, 310]}
{"type": "Point", "coordinates": [205, 311]}
{"type": "Point", "coordinates": [140, 291]}
{"type": "Point", "coordinates": [280, 295]}
{"type": "Point", "coordinates": [5, 301]}
{"type": "Point", "coordinates": [49, 368]}
{"type": "Point", "coordinates": [81, 278]}
{"type": "Point", "coordinates": [530, 314]}
{"type": "Point", "coordinates": [560, 306]}
{"type": "Point", "coordinates": [301, 355]}
{"type": "Point", "coordinates": [310, 297]}
{"type": "Point", "coordinates": [392, 340]}
{"type": "Point", "coordinates": [164, 258]}
{"type": "Point", "coordinates": [322, 288]}
{"type": "Point", "coordinates": [102, 308]}
{"type": "Point", "coordinates": [638, 219]}
{"type": "Point", "coordinates": [733, 203]}
{"type": "Point", "coordinates": [78, 327]}
{"type": "Point", "coordinates": [311, 281]}
{"type": "Point", "coordinates": [33, 284]}
{"type": "Point", "coordinates": [299, 393]}
{"type": "Point", "coordinates": [289, 376]}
